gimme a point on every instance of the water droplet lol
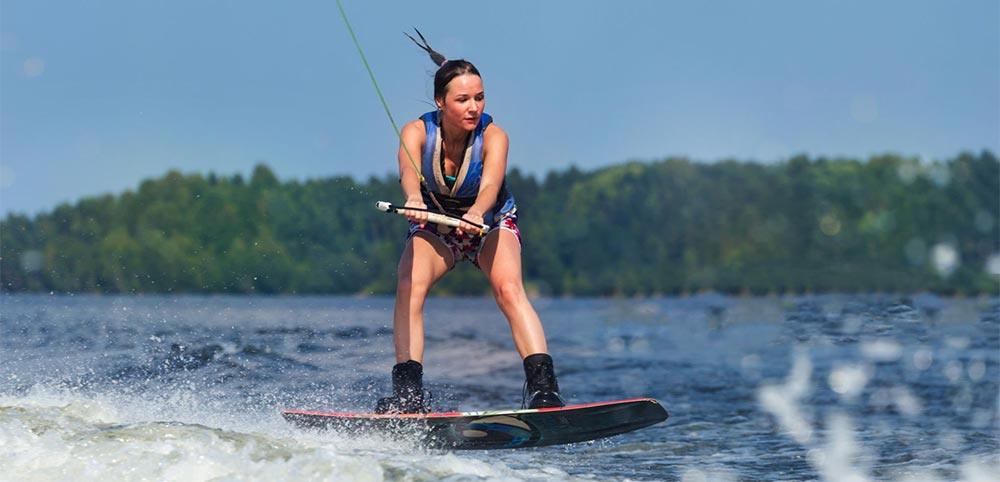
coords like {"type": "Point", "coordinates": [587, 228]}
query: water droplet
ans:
{"type": "Point", "coordinates": [849, 380]}
{"type": "Point", "coordinates": [939, 174]}
{"type": "Point", "coordinates": [944, 257]}
{"type": "Point", "coordinates": [958, 343]}
{"type": "Point", "coordinates": [882, 350]}
{"type": "Point", "coordinates": [922, 358]}
{"type": "Point", "coordinates": [984, 221]}
{"type": "Point", "coordinates": [976, 370]}
{"type": "Point", "coordinates": [907, 403]}
{"type": "Point", "coordinates": [908, 171]}
{"type": "Point", "coordinates": [32, 260]}
{"type": "Point", "coordinates": [993, 264]}
{"type": "Point", "coordinates": [953, 370]}
{"type": "Point", "coordinates": [829, 224]}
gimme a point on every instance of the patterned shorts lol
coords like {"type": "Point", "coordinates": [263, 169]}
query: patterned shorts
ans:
{"type": "Point", "coordinates": [466, 246]}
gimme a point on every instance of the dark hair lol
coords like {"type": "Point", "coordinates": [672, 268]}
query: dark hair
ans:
{"type": "Point", "coordinates": [447, 69]}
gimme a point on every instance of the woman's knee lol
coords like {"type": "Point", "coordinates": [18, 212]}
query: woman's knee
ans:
{"type": "Point", "coordinates": [508, 292]}
{"type": "Point", "coordinates": [410, 285]}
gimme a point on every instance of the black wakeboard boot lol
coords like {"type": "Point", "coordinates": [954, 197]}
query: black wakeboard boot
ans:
{"type": "Point", "coordinates": [407, 390]}
{"type": "Point", "coordinates": [541, 389]}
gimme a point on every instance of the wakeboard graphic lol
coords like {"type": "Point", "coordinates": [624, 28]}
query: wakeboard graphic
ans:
{"type": "Point", "coordinates": [496, 429]}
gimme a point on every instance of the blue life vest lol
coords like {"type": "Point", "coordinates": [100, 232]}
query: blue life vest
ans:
{"type": "Point", "coordinates": [461, 195]}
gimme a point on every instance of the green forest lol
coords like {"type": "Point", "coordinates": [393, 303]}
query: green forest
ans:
{"type": "Point", "coordinates": [805, 225]}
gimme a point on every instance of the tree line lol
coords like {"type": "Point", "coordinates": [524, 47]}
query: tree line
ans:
{"type": "Point", "coordinates": [886, 224]}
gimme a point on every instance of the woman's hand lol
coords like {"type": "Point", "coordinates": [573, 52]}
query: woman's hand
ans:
{"type": "Point", "coordinates": [419, 217]}
{"type": "Point", "coordinates": [474, 223]}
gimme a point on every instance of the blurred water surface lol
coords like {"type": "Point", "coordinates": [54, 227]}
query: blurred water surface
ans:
{"type": "Point", "coordinates": [777, 388]}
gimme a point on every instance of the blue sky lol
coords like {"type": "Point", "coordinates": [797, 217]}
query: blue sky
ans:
{"type": "Point", "coordinates": [97, 96]}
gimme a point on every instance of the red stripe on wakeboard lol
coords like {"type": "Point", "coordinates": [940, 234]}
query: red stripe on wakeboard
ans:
{"type": "Point", "coordinates": [461, 414]}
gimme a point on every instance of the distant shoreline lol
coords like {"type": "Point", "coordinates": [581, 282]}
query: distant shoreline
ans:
{"type": "Point", "coordinates": [887, 224]}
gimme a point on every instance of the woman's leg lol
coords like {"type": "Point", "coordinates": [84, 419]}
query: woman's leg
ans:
{"type": "Point", "coordinates": [424, 261]}
{"type": "Point", "coordinates": [500, 259]}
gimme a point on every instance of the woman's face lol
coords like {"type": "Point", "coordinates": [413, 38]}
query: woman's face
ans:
{"type": "Point", "coordinates": [463, 103]}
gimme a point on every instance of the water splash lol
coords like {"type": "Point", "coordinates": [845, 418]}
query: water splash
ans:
{"type": "Point", "coordinates": [834, 451]}
{"type": "Point", "coordinates": [783, 401]}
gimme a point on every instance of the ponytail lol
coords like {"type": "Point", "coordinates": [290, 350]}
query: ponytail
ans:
{"type": "Point", "coordinates": [436, 57]}
{"type": "Point", "coordinates": [447, 69]}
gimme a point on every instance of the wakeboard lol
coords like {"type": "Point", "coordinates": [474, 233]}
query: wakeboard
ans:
{"type": "Point", "coordinates": [503, 429]}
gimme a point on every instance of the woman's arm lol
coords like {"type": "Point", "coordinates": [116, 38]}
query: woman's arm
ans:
{"type": "Point", "coordinates": [412, 139]}
{"type": "Point", "coordinates": [495, 144]}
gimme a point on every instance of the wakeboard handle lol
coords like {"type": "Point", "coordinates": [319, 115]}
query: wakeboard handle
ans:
{"type": "Point", "coordinates": [432, 217]}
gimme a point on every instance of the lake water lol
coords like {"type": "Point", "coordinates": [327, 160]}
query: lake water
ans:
{"type": "Point", "coordinates": [846, 388]}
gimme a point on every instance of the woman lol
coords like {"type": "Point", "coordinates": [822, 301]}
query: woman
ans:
{"type": "Point", "coordinates": [463, 162]}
